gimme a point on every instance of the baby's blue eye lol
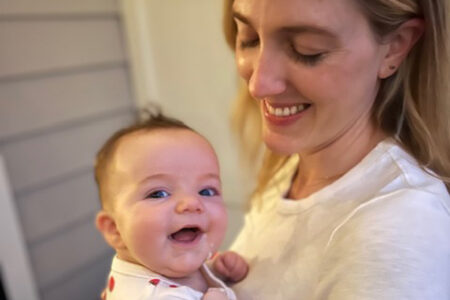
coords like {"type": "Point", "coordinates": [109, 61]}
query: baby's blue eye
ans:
{"type": "Point", "coordinates": [158, 194]}
{"type": "Point", "coordinates": [209, 192]}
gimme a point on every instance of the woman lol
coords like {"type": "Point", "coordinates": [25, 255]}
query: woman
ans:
{"type": "Point", "coordinates": [352, 200]}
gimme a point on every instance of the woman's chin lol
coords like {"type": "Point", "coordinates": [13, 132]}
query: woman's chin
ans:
{"type": "Point", "coordinates": [281, 144]}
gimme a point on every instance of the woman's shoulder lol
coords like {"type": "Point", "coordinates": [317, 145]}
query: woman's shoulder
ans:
{"type": "Point", "coordinates": [402, 218]}
{"type": "Point", "coordinates": [388, 170]}
{"type": "Point", "coordinates": [413, 175]}
{"type": "Point", "coordinates": [409, 201]}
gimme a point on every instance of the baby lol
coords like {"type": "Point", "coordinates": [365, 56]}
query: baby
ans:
{"type": "Point", "coordinates": [163, 213]}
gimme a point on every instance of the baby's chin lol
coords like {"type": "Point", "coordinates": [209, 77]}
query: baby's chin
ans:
{"type": "Point", "coordinates": [181, 268]}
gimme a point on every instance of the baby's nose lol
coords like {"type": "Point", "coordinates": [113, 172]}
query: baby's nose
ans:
{"type": "Point", "coordinates": [190, 204]}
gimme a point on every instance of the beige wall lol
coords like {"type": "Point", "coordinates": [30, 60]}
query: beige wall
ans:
{"type": "Point", "coordinates": [181, 61]}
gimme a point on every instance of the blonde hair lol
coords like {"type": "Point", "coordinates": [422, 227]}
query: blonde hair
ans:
{"type": "Point", "coordinates": [413, 105]}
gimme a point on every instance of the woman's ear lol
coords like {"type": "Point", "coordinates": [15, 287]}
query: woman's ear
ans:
{"type": "Point", "coordinates": [106, 224]}
{"type": "Point", "coordinates": [399, 44]}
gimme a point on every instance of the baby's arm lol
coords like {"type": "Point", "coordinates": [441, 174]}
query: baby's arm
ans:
{"type": "Point", "coordinates": [230, 266]}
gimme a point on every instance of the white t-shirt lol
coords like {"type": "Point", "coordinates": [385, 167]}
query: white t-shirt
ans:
{"type": "Point", "coordinates": [381, 231]}
{"type": "Point", "coordinates": [128, 281]}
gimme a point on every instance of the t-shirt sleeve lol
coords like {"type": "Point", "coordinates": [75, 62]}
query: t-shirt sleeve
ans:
{"type": "Point", "coordinates": [394, 247]}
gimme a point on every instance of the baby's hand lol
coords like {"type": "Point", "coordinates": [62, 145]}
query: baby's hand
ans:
{"type": "Point", "coordinates": [230, 266]}
{"type": "Point", "coordinates": [215, 294]}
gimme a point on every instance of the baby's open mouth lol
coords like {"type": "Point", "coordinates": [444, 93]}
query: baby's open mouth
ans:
{"type": "Point", "coordinates": [186, 234]}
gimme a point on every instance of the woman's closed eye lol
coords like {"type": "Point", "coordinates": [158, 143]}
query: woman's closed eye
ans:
{"type": "Point", "coordinates": [251, 43]}
{"type": "Point", "coordinates": [307, 59]}
{"type": "Point", "coordinates": [208, 192]}
{"type": "Point", "coordinates": [158, 194]}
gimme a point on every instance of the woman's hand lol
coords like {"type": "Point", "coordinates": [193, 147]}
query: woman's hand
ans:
{"type": "Point", "coordinates": [230, 266]}
{"type": "Point", "coordinates": [215, 294]}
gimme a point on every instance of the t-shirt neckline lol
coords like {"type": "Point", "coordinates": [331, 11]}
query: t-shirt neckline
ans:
{"type": "Point", "coordinates": [295, 206]}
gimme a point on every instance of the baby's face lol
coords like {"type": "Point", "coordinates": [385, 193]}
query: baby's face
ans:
{"type": "Point", "coordinates": [167, 200]}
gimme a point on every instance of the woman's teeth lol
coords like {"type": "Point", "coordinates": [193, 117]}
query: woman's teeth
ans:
{"type": "Point", "coordinates": [286, 111]}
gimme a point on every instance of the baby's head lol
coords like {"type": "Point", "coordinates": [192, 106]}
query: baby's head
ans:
{"type": "Point", "coordinates": [160, 191]}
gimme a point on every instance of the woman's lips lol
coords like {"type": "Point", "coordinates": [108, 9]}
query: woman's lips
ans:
{"type": "Point", "coordinates": [284, 114]}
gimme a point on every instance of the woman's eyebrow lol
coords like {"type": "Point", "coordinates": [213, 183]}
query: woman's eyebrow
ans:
{"type": "Point", "coordinates": [302, 29]}
{"type": "Point", "coordinates": [295, 29]}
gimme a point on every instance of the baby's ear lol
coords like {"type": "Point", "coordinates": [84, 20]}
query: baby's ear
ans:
{"type": "Point", "coordinates": [106, 224]}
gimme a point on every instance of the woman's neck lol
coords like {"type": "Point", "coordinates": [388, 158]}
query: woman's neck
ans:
{"type": "Point", "coordinates": [325, 165]}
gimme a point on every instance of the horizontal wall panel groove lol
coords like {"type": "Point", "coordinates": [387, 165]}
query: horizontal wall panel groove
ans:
{"type": "Point", "coordinates": [45, 7]}
{"type": "Point", "coordinates": [30, 47]}
{"type": "Point", "coordinates": [77, 16]}
{"type": "Point", "coordinates": [85, 283]}
{"type": "Point", "coordinates": [24, 195]}
{"type": "Point", "coordinates": [63, 254]}
{"type": "Point", "coordinates": [37, 160]}
{"type": "Point", "coordinates": [73, 70]}
{"type": "Point", "coordinates": [65, 229]}
{"type": "Point", "coordinates": [48, 211]}
{"type": "Point", "coordinates": [82, 121]}
{"type": "Point", "coordinates": [33, 105]}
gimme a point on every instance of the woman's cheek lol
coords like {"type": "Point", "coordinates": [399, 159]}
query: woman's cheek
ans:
{"type": "Point", "coordinates": [244, 66]}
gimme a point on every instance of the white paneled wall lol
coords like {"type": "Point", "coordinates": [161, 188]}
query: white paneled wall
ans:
{"type": "Point", "coordinates": [64, 88]}
{"type": "Point", "coordinates": [74, 203]}
{"type": "Point", "coordinates": [62, 99]}
{"type": "Point", "coordinates": [63, 151]}
{"type": "Point", "coordinates": [55, 8]}
{"type": "Point", "coordinates": [64, 43]}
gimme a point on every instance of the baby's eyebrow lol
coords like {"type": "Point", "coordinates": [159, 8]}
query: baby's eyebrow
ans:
{"type": "Point", "coordinates": [211, 176]}
{"type": "Point", "coordinates": [156, 176]}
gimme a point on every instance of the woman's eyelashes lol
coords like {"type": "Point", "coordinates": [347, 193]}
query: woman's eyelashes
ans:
{"type": "Point", "coordinates": [243, 44]}
{"type": "Point", "coordinates": [306, 59]}
{"type": "Point", "coordinates": [208, 192]}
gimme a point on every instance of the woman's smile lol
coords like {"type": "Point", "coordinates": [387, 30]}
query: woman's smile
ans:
{"type": "Point", "coordinates": [283, 114]}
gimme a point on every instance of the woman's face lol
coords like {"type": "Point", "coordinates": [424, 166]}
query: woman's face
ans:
{"type": "Point", "coordinates": [313, 66]}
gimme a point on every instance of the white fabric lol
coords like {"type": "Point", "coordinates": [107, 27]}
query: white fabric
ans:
{"type": "Point", "coordinates": [382, 231]}
{"type": "Point", "coordinates": [134, 282]}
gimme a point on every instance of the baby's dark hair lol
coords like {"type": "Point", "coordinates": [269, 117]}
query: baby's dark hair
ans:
{"type": "Point", "coordinates": [150, 120]}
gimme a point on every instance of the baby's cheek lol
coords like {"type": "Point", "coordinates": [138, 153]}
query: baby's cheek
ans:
{"type": "Point", "coordinates": [218, 228]}
{"type": "Point", "coordinates": [146, 238]}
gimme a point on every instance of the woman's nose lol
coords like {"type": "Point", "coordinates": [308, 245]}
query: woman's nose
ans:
{"type": "Point", "coordinates": [267, 77]}
{"type": "Point", "coordinates": [191, 204]}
